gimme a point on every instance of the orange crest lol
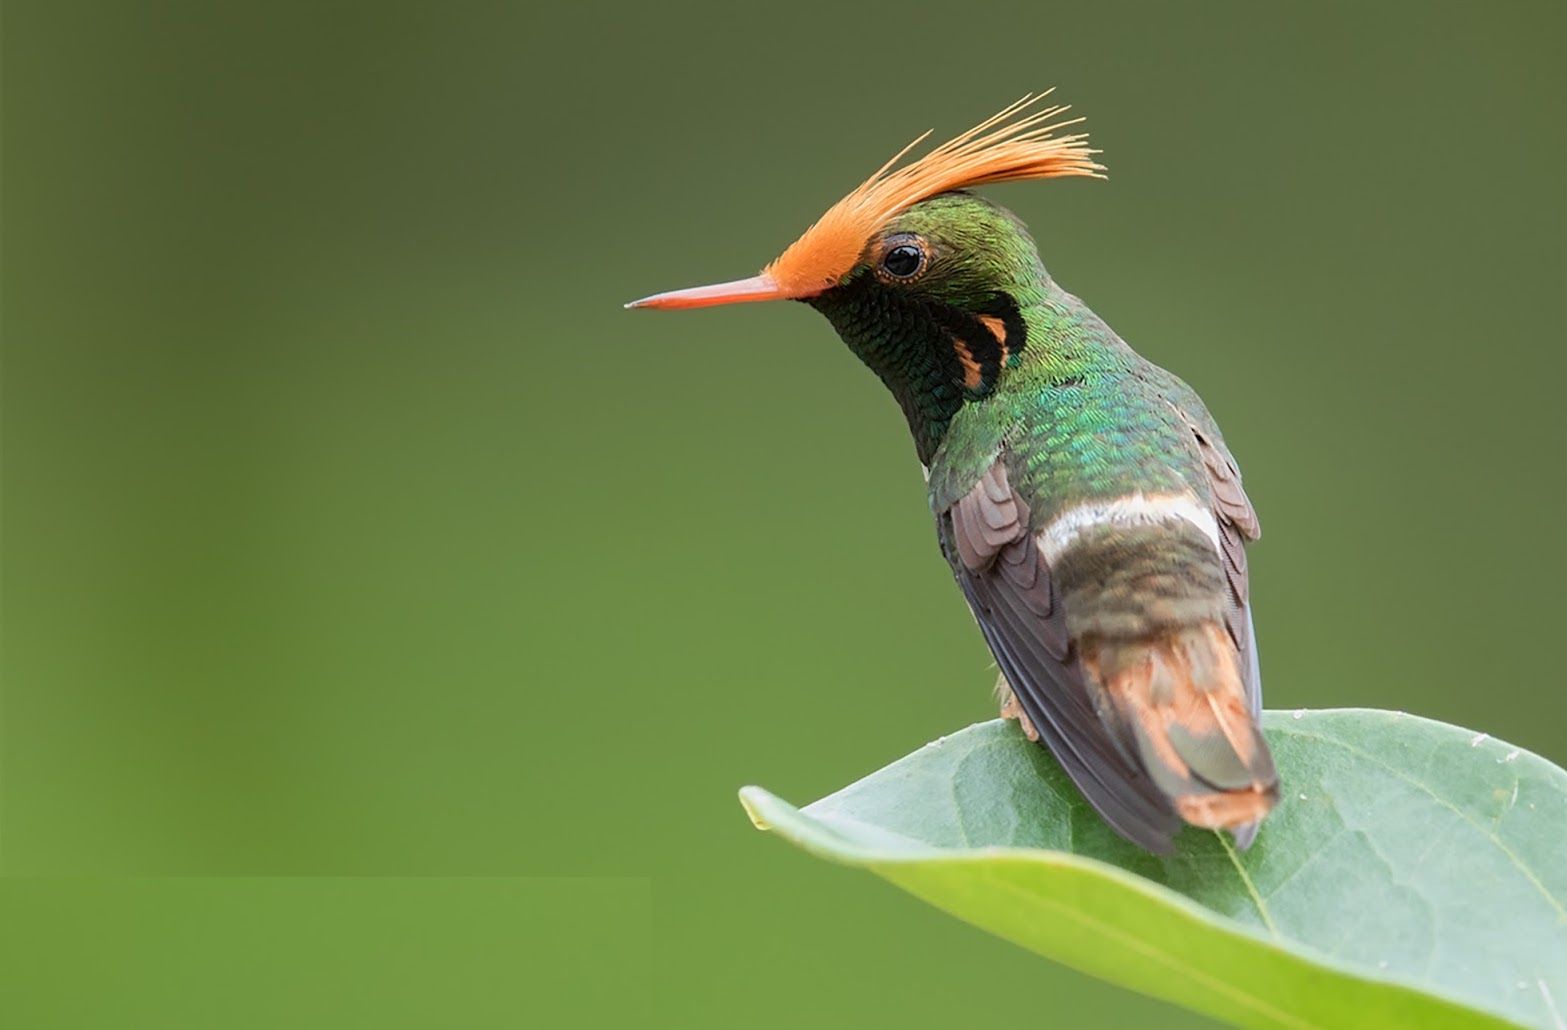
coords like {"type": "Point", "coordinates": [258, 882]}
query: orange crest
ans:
{"type": "Point", "coordinates": [1006, 147]}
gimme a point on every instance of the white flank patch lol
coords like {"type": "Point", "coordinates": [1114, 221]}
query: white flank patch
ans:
{"type": "Point", "coordinates": [1063, 532]}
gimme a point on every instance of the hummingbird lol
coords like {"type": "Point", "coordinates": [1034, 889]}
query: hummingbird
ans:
{"type": "Point", "coordinates": [1084, 498]}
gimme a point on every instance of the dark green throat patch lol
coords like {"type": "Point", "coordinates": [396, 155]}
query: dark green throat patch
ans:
{"type": "Point", "coordinates": [933, 357]}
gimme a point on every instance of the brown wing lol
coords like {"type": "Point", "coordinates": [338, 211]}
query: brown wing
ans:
{"type": "Point", "coordinates": [1009, 588]}
{"type": "Point", "coordinates": [1237, 525]}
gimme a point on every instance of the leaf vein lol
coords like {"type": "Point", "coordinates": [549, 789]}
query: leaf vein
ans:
{"type": "Point", "coordinates": [1496, 841]}
{"type": "Point", "coordinates": [1251, 887]}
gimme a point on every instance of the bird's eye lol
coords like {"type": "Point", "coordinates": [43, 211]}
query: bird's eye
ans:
{"type": "Point", "coordinates": [903, 259]}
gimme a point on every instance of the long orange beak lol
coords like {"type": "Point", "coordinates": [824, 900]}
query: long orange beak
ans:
{"type": "Point", "coordinates": [741, 291]}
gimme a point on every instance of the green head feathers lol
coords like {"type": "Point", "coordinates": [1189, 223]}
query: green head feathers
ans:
{"type": "Point", "coordinates": [926, 283]}
{"type": "Point", "coordinates": [935, 307]}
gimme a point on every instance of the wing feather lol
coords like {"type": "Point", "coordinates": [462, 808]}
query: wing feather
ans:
{"type": "Point", "coordinates": [1009, 588]}
{"type": "Point", "coordinates": [1238, 525]}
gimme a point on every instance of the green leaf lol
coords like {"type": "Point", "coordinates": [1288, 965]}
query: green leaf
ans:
{"type": "Point", "coordinates": [1413, 874]}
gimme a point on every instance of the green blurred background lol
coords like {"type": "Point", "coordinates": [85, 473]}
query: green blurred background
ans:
{"type": "Point", "coordinates": [352, 529]}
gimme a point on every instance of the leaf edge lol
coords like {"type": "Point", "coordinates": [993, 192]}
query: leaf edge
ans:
{"type": "Point", "coordinates": [768, 812]}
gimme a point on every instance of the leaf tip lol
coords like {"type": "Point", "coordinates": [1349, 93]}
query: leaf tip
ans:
{"type": "Point", "coordinates": [751, 799]}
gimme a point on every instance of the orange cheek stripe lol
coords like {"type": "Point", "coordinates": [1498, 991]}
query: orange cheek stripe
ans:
{"type": "Point", "coordinates": [973, 375]}
{"type": "Point", "coordinates": [998, 329]}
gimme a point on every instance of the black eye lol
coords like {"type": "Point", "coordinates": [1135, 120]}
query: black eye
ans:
{"type": "Point", "coordinates": [903, 260]}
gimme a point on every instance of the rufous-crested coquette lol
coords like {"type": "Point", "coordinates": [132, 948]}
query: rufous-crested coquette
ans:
{"type": "Point", "coordinates": [1083, 497]}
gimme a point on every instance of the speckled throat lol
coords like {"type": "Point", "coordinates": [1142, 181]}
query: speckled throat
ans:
{"type": "Point", "coordinates": [932, 357]}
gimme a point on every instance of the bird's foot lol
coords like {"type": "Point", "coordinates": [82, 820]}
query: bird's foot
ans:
{"type": "Point", "coordinates": [1010, 709]}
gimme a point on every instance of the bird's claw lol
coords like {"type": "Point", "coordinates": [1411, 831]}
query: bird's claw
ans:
{"type": "Point", "coordinates": [1010, 709]}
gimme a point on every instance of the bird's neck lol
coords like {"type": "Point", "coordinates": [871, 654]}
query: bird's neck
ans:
{"type": "Point", "coordinates": [906, 344]}
{"type": "Point", "coordinates": [911, 348]}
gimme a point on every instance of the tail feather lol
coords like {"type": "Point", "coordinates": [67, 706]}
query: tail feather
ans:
{"type": "Point", "coordinates": [1180, 695]}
